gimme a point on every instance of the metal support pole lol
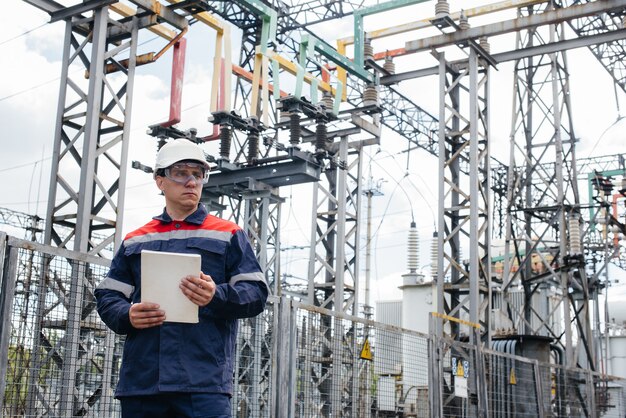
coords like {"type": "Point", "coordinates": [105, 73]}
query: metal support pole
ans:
{"type": "Point", "coordinates": [284, 387]}
{"type": "Point", "coordinates": [465, 215]}
{"type": "Point", "coordinates": [543, 193]}
{"type": "Point", "coordinates": [441, 270]}
{"type": "Point", "coordinates": [474, 192]}
{"type": "Point", "coordinates": [92, 127]}
{"type": "Point", "coordinates": [8, 276]}
{"type": "Point", "coordinates": [71, 340]}
{"type": "Point", "coordinates": [340, 256]}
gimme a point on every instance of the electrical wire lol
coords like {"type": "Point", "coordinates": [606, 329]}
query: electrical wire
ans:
{"type": "Point", "coordinates": [28, 89]}
{"type": "Point", "coordinates": [409, 180]}
{"type": "Point", "coordinates": [58, 78]}
{"type": "Point", "coordinates": [23, 34]}
{"type": "Point", "coordinates": [372, 161]}
{"type": "Point", "coordinates": [5, 204]}
{"type": "Point", "coordinates": [375, 235]}
{"type": "Point", "coordinates": [32, 179]}
{"type": "Point", "coordinates": [24, 165]}
{"type": "Point", "coordinates": [619, 118]}
{"type": "Point", "coordinates": [289, 258]}
{"type": "Point", "coordinates": [386, 209]}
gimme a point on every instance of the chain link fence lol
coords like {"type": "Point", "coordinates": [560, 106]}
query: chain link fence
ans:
{"type": "Point", "coordinates": [57, 359]}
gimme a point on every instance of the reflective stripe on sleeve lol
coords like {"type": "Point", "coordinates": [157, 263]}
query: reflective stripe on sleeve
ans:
{"type": "Point", "coordinates": [257, 276]}
{"type": "Point", "coordinates": [112, 284]}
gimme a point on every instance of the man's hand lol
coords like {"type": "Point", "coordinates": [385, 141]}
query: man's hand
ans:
{"type": "Point", "coordinates": [199, 290]}
{"type": "Point", "coordinates": [145, 315]}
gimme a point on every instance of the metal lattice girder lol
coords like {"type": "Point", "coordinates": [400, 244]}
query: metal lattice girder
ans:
{"type": "Point", "coordinates": [312, 12]}
{"type": "Point", "coordinates": [609, 54]}
{"type": "Point", "coordinates": [91, 138]}
{"type": "Point", "coordinates": [464, 215]}
{"type": "Point", "coordinates": [262, 223]}
{"type": "Point", "coordinates": [402, 115]}
{"type": "Point", "coordinates": [333, 282]}
{"type": "Point", "coordinates": [333, 262]}
{"type": "Point", "coordinates": [29, 223]}
{"type": "Point", "coordinates": [544, 204]}
{"type": "Point", "coordinates": [500, 172]}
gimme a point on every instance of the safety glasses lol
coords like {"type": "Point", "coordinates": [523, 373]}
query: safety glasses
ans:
{"type": "Point", "coordinates": [182, 173]}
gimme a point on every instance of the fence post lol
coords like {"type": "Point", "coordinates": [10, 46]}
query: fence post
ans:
{"type": "Point", "coordinates": [282, 357]}
{"type": "Point", "coordinates": [434, 370]}
{"type": "Point", "coordinates": [7, 292]}
{"type": "Point", "coordinates": [274, 366]}
{"type": "Point", "coordinates": [539, 389]}
{"type": "Point", "coordinates": [293, 356]}
{"type": "Point", "coordinates": [481, 378]}
{"type": "Point", "coordinates": [591, 394]}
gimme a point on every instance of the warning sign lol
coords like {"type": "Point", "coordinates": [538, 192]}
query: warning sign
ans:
{"type": "Point", "coordinates": [512, 378]}
{"type": "Point", "coordinates": [460, 372]}
{"type": "Point", "coordinates": [460, 368]}
{"type": "Point", "coordinates": [366, 351]}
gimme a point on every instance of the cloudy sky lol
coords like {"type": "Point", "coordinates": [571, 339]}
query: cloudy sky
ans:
{"type": "Point", "coordinates": [29, 86]}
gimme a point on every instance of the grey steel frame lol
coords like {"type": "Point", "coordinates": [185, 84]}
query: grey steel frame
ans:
{"type": "Point", "coordinates": [334, 268]}
{"type": "Point", "coordinates": [91, 133]}
{"type": "Point", "coordinates": [465, 213]}
{"type": "Point", "coordinates": [540, 206]}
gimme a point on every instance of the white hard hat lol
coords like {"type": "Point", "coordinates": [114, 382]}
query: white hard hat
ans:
{"type": "Point", "coordinates": [179, 150]}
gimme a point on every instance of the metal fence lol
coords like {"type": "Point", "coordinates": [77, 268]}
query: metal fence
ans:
{"type": "Point", "coordinates": [511, 380]}
{"type": "Point", "coordinates": [57, 359]}
{"type": "Point", "coordinates": [336, 365]}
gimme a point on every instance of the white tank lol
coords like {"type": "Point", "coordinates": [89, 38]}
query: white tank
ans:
{"type": "Point", "coordinates": [617, 310]}
{"type": "Point", "coordinates": [617, 356]}
{"type": "Point", "coordinates": [418, 302]}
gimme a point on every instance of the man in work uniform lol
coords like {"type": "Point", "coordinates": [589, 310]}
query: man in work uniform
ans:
{"type": "Point", "coordinates": [180, 369]}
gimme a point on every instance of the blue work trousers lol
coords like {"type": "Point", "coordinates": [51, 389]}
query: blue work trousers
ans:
{"type": "Point", "coordinates": [177, 405]}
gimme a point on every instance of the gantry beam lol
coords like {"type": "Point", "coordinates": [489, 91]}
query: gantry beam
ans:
{"type": "Point", "coordinates": [29, 223]}
{"type": "Point", "coordinates": [609, 54]}
{"type": "Point", "coordinates": [522, 23]}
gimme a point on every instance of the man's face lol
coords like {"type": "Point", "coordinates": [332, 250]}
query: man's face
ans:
{"type": "Point", "coordinates": [182, 185]}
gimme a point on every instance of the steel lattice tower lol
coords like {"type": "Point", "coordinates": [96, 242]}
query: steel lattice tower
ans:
{"type": "Point", "coordinates": [544, 206]}
{"type": "Point", "coordinates": [333, 279]}
{"type": "Point", "coordinates": [91, 135]}
{"type": "Point", "coordinates": [464, 216]}
{"type": "Point", "coordinates": [88, 177]}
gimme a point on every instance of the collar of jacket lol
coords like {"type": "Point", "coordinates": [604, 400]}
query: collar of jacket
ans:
{"type": "Point", "coordinates": [195, 218]}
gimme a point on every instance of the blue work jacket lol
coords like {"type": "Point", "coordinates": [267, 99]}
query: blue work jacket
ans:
{"type": "Point", "coordinates": [183, 357]}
